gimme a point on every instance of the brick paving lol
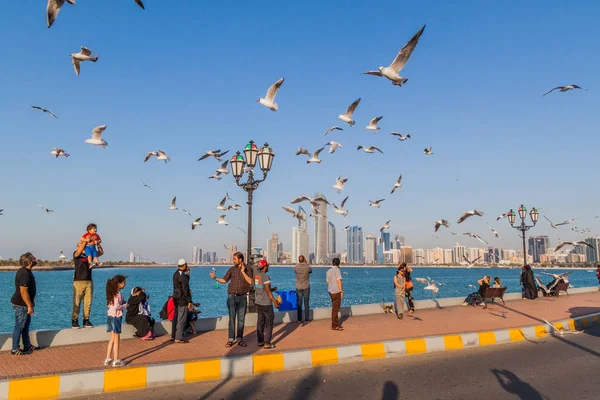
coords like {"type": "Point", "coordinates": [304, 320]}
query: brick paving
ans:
{"type": "Point", "coordinates": [291, 336]}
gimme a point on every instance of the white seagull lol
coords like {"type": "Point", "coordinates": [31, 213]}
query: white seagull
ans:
{"type": "Point", "coordinates": [386, 226]}
{"type": "Point", "coordinates": [44, 110]}
{"type": "Point", "coordinates": [57, 152]}
{"type": "Point", "coordinates": [494, 231]}
{"type": "Point", "coordinates": [397, 185]}
{"type": "Point", "coordinates": [393, 71]}
{"type": "Point", "coordinates": [475, 236]}
{"type": "Point", "coordinates": [216, 176]}
{"type": "Point", "coordinates": [567, 243]}
{"type": "Point", "coordinates": [564, 89]}
{"type": "Point", "coordinates": [295, 214]}
{"type": "Point", "coordinates": [401, 137]}
{"type": "Point", "coordinates": [373, 125]}
{"type": "Point", "coordinates": [159, 154]}
{"type": "Point", "coordinates": [269, 100]}
{"type": "Point", "coordinates": [431, 285]}
{"type": "Point", "coordinates": [339, 184]}
{"type": "Point", "coordinates": [196, 223]}
{"type": "Point", "coordinates": [173, 205]}
{"type": "Point", "coordinates": [313, 201]}
{"type": "Point", "coordinates": [302, 150]}
{"type": "Point", "coordinates": [501, 216]}
{"type": "Point", "coordinates": [334, 146]}
{"type": "Point", "coordinates": [441, 222]}
{"type": "Point", "coordinates": [96, 139]}
{"type": "Point", "coordinates": [186, 211]}
{"type": "Point", "coordinates": [222, 221]}
{"type": "Point", "coordinates": [553, 225]}
{"type": "Point", "coordinates": [340, 210]}
{"type": "Point", "coordinates": [346, 228]}
{"type": "Point", "coordinates": [234, 207]}
{"type": "Point", "coordinates": [469, 214]}
{"type": "Point", "coordinates": [369, 150]}
{"type": "Point", "coordinates": [223, 169]}
{"type": "Point", "coordinates": [333, 128]}
{"type": "Point", "coordinates": [222, 205]}
{"type": "Point", "coordinates": [428, 151]}
{"type": "Point", "coordinates": [347, 116]}
{"type": "Point", "coordinates": [45, 208]}
{"type": "Point", "coordinates": [469, 262]}
{"type": "Point", "coordinates": [315, 157]}
{"type": "Point", "coordinates": [213, 153]}
{"type": "Point", "coordinates": [53, 8]}
{"type": "Point", "coordinates": [375, 203]}
{"type": "Point", "coordinates": [84, 55]}
{"type": "Point", "coordinates": [145, 185]}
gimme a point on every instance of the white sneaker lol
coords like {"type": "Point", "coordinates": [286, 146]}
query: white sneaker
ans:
{"type": "Point", "coordinates": [108, 361]}
{"type": "Point", "coordinates": [118, 363]}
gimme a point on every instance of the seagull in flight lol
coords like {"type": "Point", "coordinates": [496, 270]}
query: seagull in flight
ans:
{"type": "Point", "coordinates": [315, 157]}
{"type": "Point", "coordinates": [469, 214]}
{"type": "Point", "coordinates": [339, 184]}
{"type": "Point", "coordinates": [159, 154]}
{"type": "Point", "coordinates": [173, 205]}
{"type": "Point", "coordinates": [139, 3]}
{"type": "Point", "coordinates": [428, 151]}
{"type": "Point", "coordinates": [313, 201]}
{"type": "Point", "coordinates": [470, 262]}
{"type": "Point", "coordinates": [269, 100]}
{"type": "Point", "coordinates": [222, 221]}
{"type": "Point", "coordinates": [401, 137]}
{"type": "Point", "coordinates": [393, 71]}
{"type": "Point", "coordinates": [397, 185]}
{"type": "Point", "coordinates": [501, 216]}
{"type": "Point", "coordinates": [196, 223]}
{"type": "Point", "coordinates": [564, 89]}
{"type": "Point", "coordinates": [241, 230]}
{"type": "Point", "coordinates": [567, 243]}
{"type": "Point", "coordinates": [223, 169]}
{"type": "Point", "coordinates": [347, 116]}
{"type": "Point", "coordinates": [441, 222]}
{"type": "Point", "coordinates": [299, 215]}
{"type": "Point", "coordinates": [471, 286]}
{"type": "Point", "coordinates": [234, 207]}
{"type": "Point", "coordinates": [221, 205]}
{"type": "Point", "coordinates": [216, 176]}
{"type": "Point", "coordinates": [346, 228]}
{"type": "Point", "coordinates": [430, 284]}
{"type": "Point", "coordinates": [334, 146]}
{"type": "Point", "coordinates": [476, 236]}
{"type": "Point", "coordinates": [44, 110]}
{"type": "Point", "coordinates": [340, 210]}
{"type": "Point", "coordinates": [213, 153]}
{"type": "Point", "coordinates": [302, 150]}
{"type": "Point", "coordinates": [186, 211]}
{"type": "Point", "coordinates": [375, 203]}
{"type": "Point", "coordinates": [47, 210]}
{"type": "Point", "coordinates": [386, 226]}
{"type": "Point", "coordinates": [96, 139]}
{"type": "Point", "coordinates": [494, 231]}
{"type": "Point", "coordinates": [553, 225]}
{"type": "Point", "coordinates": [369, 149]}
{"type": "Point", "coordinates": [57, 152]}
{"type": "Point", "coordinates": [84, 55]}
{"type": "Point", "coordinates": [333, 128]}
{"type": "Point", "coordinates": [145, 185]}
{"type": "Point", "coordinates": [52, 9]}
{"type": "Point", "coordinates": [373, 125]}
{"type": "Point", "coordinates": [268, 220]}
{"type": "Point", "coordinates": [2, 209]}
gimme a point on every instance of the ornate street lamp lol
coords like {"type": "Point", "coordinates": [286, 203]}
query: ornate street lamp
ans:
{"type": "Point", "coordinates": [523, 227]}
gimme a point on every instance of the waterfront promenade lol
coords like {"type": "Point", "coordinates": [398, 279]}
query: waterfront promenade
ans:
{"type": "Point", "coordinates": [291, 336]}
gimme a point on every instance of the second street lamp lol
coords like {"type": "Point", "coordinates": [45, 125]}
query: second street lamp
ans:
{"type": "Point", "coordinates": [523, 227]}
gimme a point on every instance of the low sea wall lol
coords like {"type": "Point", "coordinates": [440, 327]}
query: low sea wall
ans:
{"type": "Point", "coordinates": [62, 337]}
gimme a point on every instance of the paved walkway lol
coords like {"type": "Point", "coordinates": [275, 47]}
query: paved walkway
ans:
{"type": "Point", "coordinates": [291, 336]}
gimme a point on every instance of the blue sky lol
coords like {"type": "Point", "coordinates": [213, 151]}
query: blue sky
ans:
{"type": "Point", "coordinates": [184, 78]}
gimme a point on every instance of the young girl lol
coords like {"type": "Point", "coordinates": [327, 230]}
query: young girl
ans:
{"type": "Point", "coordinates": [497, 283]}
{"type": "Point", "coordinates": [114, 320]}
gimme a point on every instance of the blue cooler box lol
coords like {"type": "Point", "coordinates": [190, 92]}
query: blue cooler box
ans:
{"type": "Point", "coordinates": [288, 300]}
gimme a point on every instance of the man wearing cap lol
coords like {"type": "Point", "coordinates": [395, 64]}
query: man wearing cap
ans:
{"type": "Point", "coordinates": [182, 297]}
{"type": "Point", "coordinates": [240, 276]}
{"type": "Point", "coordinates": [264, 306]}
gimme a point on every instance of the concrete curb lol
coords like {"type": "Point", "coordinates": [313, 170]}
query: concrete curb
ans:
{"type": "Point", "coordinates": [139, 377]}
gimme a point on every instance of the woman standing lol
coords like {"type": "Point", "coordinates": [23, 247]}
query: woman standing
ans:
{"type": "Point", "coordinates": [408, 287]}
{"type": "Point", "coordinates": [528, 281]}
{"type": "Point", "coordinates": [399, 292]}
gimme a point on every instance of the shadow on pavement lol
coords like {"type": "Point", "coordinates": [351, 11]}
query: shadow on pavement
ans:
{"type": "Point", "coordinates": [308, 386]}
{"type": "Point", "coordinates": [145, 352]}
{"type": "Point", "coordinates": [390, 391]}
{"type": "Point", "coordinates": [511, 383]}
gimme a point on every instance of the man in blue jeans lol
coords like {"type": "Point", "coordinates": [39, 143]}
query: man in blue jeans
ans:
{"type": "Point", "coordinates": [22, 303]}
{"type": "Point", "coordinates": [303, 271]}
{"type": "Point", "coordinates": [240, 276]}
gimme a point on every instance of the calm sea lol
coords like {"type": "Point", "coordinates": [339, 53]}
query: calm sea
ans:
{"type": "Point", "coordinates": [361, 286]}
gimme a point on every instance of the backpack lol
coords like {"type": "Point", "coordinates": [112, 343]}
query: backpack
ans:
{"type": "Point", "coordinates": [164, 313]}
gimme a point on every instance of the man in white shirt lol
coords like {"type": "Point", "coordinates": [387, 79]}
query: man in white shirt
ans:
{"type": "Point", "coordinates": [336, 292]}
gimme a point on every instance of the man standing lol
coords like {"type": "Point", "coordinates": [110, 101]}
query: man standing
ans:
{"type": "Point", "coordinates": [336, 292]}
{"type": "Point", "coordinates": [182, 298]}
{"type": "Point", "coordinates": [22, 303]}
{"type": "Point", "coordinates": [303, 271]}
{"type": "Point", "coordinates": [83, 287]}
{"type": "Point", "coordinates": [264, 306]}
{"type": "Point", "coordinates": [240, 276]}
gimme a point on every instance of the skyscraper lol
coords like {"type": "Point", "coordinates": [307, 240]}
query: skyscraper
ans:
{"type": "Point", "coordinates": [231, 250]}
{"type": "Point", "coordinates": [273, 249]}
{"type": "Point", "coordinates": [132, 257]}
{"type": "Point", "coordinates": [406, 254]}
{"type": "Point", "coordinates": [321, 224]}
{"type": "Point", "coordinates": [199, 256]}
{"type": "Point", "coordinates": [195, 255]}
{"type": "Point", "coordinates": [371, 250]}
{"type": "Point", "coordinates": [355, 245]}
{"type": "Point", "coordinates": [592, 255]}
{"type": "Point", "coordinates": [300, 238]}
{"type": "Point", "coordinates": [331, 247]}
{"type": "Point", "coordinates": [214, 257]}
{"type": "Point", "coordinates": [538, 245]}
{"type": "Point", "coordinates": [458, 253]}
{"type": "Point", "coordinates": [385, 240]}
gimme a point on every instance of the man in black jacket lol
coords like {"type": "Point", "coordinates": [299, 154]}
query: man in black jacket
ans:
{"type": "Point", "coordinates": [182, 298]}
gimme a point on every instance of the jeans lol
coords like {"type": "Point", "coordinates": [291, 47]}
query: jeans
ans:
{"type": "Point", "coordinates": [237, 310]}
{"type": "Point", "coordinates": [303, 295]}
{"type": "Point", "coordinates": [336, 303]}
{"type": "Point", "coordinates": [21, 329]}
{"type": "Point", "coordinates": [411, 300]}
{"type": "Point", "coordinates": [178, 325]}
{"type": "Point", "coordinates": [264, 328]}
{"type": "Point", "coordinates": [82, 290]}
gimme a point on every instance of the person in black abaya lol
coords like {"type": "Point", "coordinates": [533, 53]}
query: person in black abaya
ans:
{"type": "Point", "coordinates": [138, 314]}
{"type": "Point", "coordinates": [528, 282]}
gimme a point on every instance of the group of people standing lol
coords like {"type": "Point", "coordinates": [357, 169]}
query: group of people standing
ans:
{"type": "Point", "coordinates": [403, 287]}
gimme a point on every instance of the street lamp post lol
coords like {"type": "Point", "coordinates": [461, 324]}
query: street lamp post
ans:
{"type": "Point", "coordinates": [523, 227]}
{"type": "Point", "coordinates": [239, 166]}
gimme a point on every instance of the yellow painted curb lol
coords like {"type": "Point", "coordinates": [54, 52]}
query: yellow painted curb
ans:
{"type": "Point", "coordinates": [486, 338]}
{"type": "Point", "coordinates": [47, 387]}
{"type": "Point", "coordinates": [267, 363]}
{"type": "Point", "coordinates": [324, 356]}
{"type": "Point", "coordinates": [516, 335]}
{"type": "Point", "coordinates": [416, 346]}
{"type": "Point", "coordinates": [374, 350]}
{"type": "Point", "coordinates": [453, 342]}
{"type": "Point", "coordinates": [201, 370]}
{"type": "Point", "coordinates": [124, 379]}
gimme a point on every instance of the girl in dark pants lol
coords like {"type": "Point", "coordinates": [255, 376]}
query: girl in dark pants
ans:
{"type": "Point", "coordinates": [264, 306]}
{"type": "Point", "coordinates": [409, 287]}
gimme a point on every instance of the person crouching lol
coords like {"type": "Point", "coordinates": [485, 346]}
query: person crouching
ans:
{"type": "Point", "coordinates": [264, 301]}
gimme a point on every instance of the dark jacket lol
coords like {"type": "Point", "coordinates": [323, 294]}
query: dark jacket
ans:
{"type": "Point", "coordinates": [133, 306]}
{"type": "Point", "coordinates": [181, 289]}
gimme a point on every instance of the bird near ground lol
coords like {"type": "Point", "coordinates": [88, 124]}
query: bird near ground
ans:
{"type": "Point", "coordinates": [96, 139]}
{"type": "Point", "coordinates": [347, 116]}
{"type": "Point", "coordinates": [469, 214]}
{"type": "Point", "coordinates": [44, 110]}
{"type": "Point", "coordinates": [430, 284]}
{"type": "Point", "coordinates": [392, 72]}
{"type": "Point", "coordinates": [269, 100]}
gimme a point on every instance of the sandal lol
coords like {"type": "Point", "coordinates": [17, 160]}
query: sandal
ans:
{"type": "Point", "coordinates": [229, 344]}
{"type": "Point", "coordinates": [339, 328]}
{"type": "Point", "coordinates": [182, 341]}
{"type": "Point", "coordinates": [242, 344]}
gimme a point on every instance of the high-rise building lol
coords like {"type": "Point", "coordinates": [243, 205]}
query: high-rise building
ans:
{"type": "Point", "coordinates": [132, 257]}
{"type": "Point", "coordinates": [138, 258]}
{"type": "Point", "coordinates": [231, 250]}
{"type": "Point", "coordinates": [418, 256]}
{"type": "Point", "coordinates": [438, 256]}
{"type": "Point", "coordinates": [458, 253]}
{"type": "Point", "coordinates": [448, 256]}
{"type": "Point", "coordinates": [195, 255]}
{"type": "Point", "coordinates": [214, 257]}
{"type": "Point", "coordinates": [398, 242]}
{"type": "Point", "coordinates": [355, 245]}
{"type": "Point", "coordinates": [407, 255]}
{"type": "Point", "coordinates": [385, 239]}
{"type": "Point", "coordinates": [538, 245]}
{"type": "Point", "coordinates": [273, 249]}
{"type": "Point", "coordinates": [331, 247]}
{"type": "Point", "coordinates": [303, 223]}
{"type": "Point", "coordinates": [321, 225]}
{"type": "Point", "coordinates": [380, 255]}
{"type": "Point", "coordinates": [592, 254]}
{"type": "Point", "coordinates": [429, 257]}
{"type": "Point", "coordinates": [370, 250]}
{"type": "Point", "coordinates": [299, 243]}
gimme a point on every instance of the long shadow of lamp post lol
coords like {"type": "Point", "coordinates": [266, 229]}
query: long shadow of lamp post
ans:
{"type": "Point", "coordinates": [523, 227]}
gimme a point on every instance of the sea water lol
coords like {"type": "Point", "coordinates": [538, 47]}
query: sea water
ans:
{"type": "Point", "coordinates": [361, 286]}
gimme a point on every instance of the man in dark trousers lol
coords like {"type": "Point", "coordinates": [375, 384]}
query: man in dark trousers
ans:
{"type": "Point", "coordinates": [22, 303]}
{"type": "Point", "coordinates": [183, 301]}
{"type": "Point", "coordinates": [240, 276]}
{"type": "Point", "coordinates": [83, 287]}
